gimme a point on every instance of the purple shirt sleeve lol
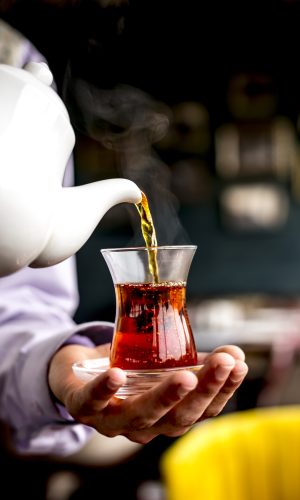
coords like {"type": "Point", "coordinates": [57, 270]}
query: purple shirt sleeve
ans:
{"type": "Point", "coordinates": [36, 307]}
{"type": "Point", "coordinates": [36, 310]}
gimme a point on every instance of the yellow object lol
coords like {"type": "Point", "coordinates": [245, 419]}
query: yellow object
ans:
{"type": "Point", "coordinates": [247, 455]}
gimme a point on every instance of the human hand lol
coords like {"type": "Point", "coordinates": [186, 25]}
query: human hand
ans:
{"type": "Point", "coordinates": [170, 408]}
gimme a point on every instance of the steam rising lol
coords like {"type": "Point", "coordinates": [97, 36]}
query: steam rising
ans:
{"type": "Point", "coordinates": [129, 121]}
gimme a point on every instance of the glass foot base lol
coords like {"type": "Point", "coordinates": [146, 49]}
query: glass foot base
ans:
{"type": "Point", "coordinates": [137, 382]}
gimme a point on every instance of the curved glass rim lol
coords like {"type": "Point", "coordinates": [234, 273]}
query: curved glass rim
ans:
{"type": "Point", "coordinates": [144, 248]}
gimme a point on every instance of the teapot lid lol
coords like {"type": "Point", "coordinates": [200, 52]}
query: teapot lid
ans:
{"type": "Point", "coordinates": [41, 71]}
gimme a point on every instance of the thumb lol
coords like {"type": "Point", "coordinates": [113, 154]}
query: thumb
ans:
{"type": "Point", "coordinates": [95, 395]}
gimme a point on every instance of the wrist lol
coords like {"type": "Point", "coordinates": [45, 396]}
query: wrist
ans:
{"type": "Point", "coordinates": [78, 339]}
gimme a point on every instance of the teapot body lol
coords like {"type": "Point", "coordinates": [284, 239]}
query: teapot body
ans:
{"type": "Point", "coordinates": [36, 140]}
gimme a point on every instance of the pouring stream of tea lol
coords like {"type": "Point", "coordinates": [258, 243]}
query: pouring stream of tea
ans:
{"type": "Point", "coordinates": [149, 235]}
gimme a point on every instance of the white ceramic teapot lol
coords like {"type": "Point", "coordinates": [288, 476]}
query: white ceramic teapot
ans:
{"type": "Point", "coordinates": [42, 222]}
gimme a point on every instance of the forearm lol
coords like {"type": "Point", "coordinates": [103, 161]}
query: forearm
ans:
{"type": "Point", "coordinates": [27, 402]}
{"type": "Point", "coordinates": [34, 324]}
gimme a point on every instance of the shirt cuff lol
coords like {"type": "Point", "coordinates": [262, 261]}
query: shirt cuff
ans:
{"type": "Point", "coordinates": [79, 340]}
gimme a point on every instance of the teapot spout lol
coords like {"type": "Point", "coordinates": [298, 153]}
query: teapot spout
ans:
{"type": "Point", "coordinates": [78, 212]}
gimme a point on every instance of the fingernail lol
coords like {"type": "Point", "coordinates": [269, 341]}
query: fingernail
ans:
{"type": "Point", "coordinates": [240, 370]}
{"type": "Point", "coordinates": [222, 371]}
{"type": "Point", "coordinates": [113, 385]}
{"type": "Point", "coordinates": [115, 379]}
{"type": "Point", "coordinates": [183, 390]}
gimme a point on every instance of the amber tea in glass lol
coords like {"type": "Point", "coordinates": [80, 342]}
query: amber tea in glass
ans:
{"type": "Point", "coordinates": [152, 329]}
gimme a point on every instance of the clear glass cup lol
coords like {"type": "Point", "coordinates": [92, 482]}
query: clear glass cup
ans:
{"type": "Point", "coordinates": [152, 328]}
